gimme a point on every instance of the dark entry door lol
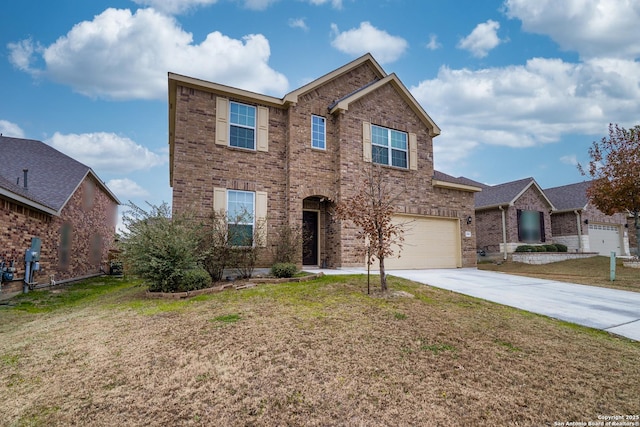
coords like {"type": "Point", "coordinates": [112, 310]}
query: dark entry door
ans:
{"type": "Point", "coordinates": [310, 238]}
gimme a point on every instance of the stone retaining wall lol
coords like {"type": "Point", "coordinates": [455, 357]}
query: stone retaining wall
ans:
{"type": "Point", "coordinates": [548, 257]}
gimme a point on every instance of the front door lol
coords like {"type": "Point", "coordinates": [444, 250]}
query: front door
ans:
{"type": "Point", "coordinates": [310, 238]}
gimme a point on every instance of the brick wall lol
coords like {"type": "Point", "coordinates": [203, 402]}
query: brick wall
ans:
{"type": "Point", "coordinates": [91, 215]}
{"type": "Point", "coordinates": [489, 230]}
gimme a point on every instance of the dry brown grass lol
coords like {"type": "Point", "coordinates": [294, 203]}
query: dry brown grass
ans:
{"type": "Point", "coordinates": [317, 353]}
{"type": "Point", "coordinates": [590, 271]}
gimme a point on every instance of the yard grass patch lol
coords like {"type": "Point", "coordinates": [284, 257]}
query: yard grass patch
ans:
{"type": "Point", "coordinates": [592, 271]}
{"type": "Point", "coordinates": [321, 352]}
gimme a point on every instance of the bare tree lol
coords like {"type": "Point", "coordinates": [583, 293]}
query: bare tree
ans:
{"type": "Point", "coordinates": [371, 210]}
{"type": "Point", "coordinates": [615, 170]}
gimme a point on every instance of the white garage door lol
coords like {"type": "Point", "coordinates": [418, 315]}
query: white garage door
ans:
{"type": "Point", "coordinates": [428, 243]}
{"type": "Point", "coordinates": [604, 239]}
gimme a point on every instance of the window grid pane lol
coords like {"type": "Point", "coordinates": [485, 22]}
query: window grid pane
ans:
{"type": "Point", "coordinates": [399, 158]}
{"type": "Point", "coordinates": [242, 120]}
{"type": "Point", "coordinates": [318, 132]}
{"type": "Point", "coordinates": [389, 147]}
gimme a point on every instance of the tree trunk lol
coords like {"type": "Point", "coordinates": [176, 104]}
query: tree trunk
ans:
{"type": "Point", "coordinates": [636, 222]}
{"type": "Point", "coordinates": [383, 276]}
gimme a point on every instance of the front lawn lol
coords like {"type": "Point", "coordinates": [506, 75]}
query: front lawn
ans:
{"type": "Point", "coordinates": [589, 271]}
{"type": "Point", "coordinates": [321, 352]}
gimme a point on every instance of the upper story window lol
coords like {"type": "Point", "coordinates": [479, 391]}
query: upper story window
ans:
{"type": "Point", "coordinates": [242, 125]}
{"type": "Point", "coordinates": [318, 132]}
{"type": "Point", "coordinates": [389, 147]}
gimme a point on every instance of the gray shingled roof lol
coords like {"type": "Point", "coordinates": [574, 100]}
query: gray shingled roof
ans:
{"type": "Point", "coordinates": [569, 197]}
{"type": "Point", "coordinates": [52, 176]}
{"type": "Point", "coordinates": [504, 194]}
{"type": "Point", "coordinates": [441, 176]}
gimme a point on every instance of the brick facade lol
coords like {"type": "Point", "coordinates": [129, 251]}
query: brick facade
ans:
{"type": "Point", "coordinates": [89, 216]}
{"type": "Point", "coordinates": [489, 222]}
{"type": "Point", "coordinates": [297, 177]}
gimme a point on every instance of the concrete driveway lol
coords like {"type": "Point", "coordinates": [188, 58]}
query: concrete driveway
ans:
{"type": "Point", "coordinates": [611, 310]}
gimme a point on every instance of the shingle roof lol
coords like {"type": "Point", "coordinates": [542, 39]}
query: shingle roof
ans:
{"type": "Point", "coordinates": [441, 176]}
{"type": "Point", "coordinates": [569, 197]}
{"type": "Point", "coordinates": [507, 193]}
{"type": "Point", "coordinates": [52, 176]}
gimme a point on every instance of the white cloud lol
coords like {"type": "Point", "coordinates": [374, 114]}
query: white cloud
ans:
{"type": "Point", "coordinates": [10, 129]}
{"type": "Point", "coordinates": [175, 6]}
{"type": "Point", "coordinates": [126, 188]}
{"type": "Point", "coordinates": [298, 23]}
{"type": "Point", "coordinates": [593, 28]}
{"type": "Point", "coordinates": [367, 38]}
{"type": "Point", "coordinates": [433, 42]}
{"type": "Point", "coordinates": [336, 4]}
{"type": "Point", "coordinates": [530, 105]}
{"type": "Point", "coordinates": [570, 159]}
{"type": "Point", "coordinates": [121, 55]}
{"type": "Point", "coordinates": [106, 152]}
{"type": "Point", "coordinates": [482, 39]}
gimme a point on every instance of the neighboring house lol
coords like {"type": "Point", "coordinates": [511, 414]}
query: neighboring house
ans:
{"type": "Point", "coordinates": [289, 160]}
{"type": "Point", "coordinates": [512, 214]}
{"type": "Point", "coordinates": [50, 196]}
{"type": "Point", "coordinates": [581, 226]}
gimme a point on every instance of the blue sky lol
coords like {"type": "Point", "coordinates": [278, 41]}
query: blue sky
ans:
{"type": "Point", "coordinates": [519, 88]}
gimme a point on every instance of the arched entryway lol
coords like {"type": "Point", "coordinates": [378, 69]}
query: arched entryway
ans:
{"type": "Point", "coordinates": [317, 225]}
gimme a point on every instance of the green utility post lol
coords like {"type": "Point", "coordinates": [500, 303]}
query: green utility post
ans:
{"type": "Point", "coordinates": [612, 267]}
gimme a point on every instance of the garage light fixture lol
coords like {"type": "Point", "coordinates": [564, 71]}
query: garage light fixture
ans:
{"type": "Point", "coordinates": [469, 219]}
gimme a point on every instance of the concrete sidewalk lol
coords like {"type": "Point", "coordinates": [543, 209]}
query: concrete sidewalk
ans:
{"type": "Point", "coordinates": [610, 310]}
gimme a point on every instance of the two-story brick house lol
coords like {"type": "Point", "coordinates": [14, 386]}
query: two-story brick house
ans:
{"type": "Point", "coordinates": [289, 160]}
{"type": "Point", "coordinates": [47, 195]}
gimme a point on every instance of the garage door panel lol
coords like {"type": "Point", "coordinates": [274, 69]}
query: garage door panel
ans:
{"type": "Point", "coordinates": [604, 239]}
{"type": "Point", "coordinates": [428, 243]}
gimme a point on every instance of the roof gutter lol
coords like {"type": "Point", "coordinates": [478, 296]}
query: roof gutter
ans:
{"type": "Point", "coordinates": [30, 203]}
{"type": "Point", "coordinates": [579, 224]}
{"type": "Point", "coordinates": [504, 232]}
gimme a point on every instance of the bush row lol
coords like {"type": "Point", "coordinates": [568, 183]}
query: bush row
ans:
{"type": "Point", "coordinates": [183, 253]}
{"type": "Point", "coordinates": [556, 247]}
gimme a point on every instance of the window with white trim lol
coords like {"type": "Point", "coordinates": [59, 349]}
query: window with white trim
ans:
{"type": "Point", "coordinates": [389, 147]}
{"type": "Point", "coordinates": [240, 217]}
{"type": "Point", "coordinates": [318, 132]}
{"type": "Point", "coordinates": [242, 125]}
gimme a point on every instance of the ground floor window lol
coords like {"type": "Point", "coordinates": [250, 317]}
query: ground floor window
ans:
{"type": "Point", "coordinates": [240, 217]}
{"type": "Point", "coordinates": [530, 226]}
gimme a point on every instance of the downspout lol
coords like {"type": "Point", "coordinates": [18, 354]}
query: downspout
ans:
{"type": "Point", "coordinates": [504, 232]}
{"type": "Point", "coordinates": [579, 224]}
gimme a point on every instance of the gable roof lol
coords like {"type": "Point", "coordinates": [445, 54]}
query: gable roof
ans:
{"type": "Point", "coordinates": [393, 80]}
{"type": "Point", "coordinates": [507, 193]}
{"type": "Point", "coordinates": [52, 176]}
{"type": "Point", "coordinates": [569, 197]}
{"type": "Point", "coordinates": [291, 98]}
{"type": "Point", "coordinates": [441, 179]}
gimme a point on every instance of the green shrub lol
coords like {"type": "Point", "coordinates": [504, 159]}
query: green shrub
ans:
{"type": "Point", "coordinates": [157, 247]}
{"type": "Point", "coordinates": [526, 248]}
{"type": "Point", "coordinates": [540, 248]}
{"type": "Point", "coordinates": [561, 247]}
{"type": "Point", "coordinates": [194, 279]}
{"type": "Point", "coordinates": [283, 269]}
{"type": "Point", "coordinates": [551, 248]}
